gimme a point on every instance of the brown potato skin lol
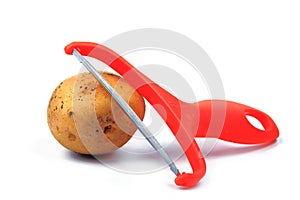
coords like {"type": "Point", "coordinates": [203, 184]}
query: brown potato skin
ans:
{"type": "Point", "coordinates": [83, 117]}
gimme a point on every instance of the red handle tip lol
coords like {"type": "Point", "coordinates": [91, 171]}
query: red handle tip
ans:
{"type": "Point", "coordinates": [69, 48]}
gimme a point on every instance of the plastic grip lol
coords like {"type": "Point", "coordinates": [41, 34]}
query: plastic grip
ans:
{"type": "Point", "coordinates": [234, 124]}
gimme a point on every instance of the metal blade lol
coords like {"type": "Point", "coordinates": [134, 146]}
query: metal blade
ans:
{"type": "Point", "coordinates": [129, 112]}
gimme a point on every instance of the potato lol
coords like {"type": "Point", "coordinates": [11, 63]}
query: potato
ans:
{"type": "Point", "coordinates": [83, 117]}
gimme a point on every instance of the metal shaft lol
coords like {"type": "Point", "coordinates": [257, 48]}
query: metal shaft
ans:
{"type": "Point", "coordinates": [129, 112]}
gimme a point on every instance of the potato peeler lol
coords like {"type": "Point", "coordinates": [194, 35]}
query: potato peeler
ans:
{"type": "Point", "coordinates": [222, 119]}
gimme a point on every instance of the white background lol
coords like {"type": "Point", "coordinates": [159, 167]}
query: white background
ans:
{"type": "Point", "coordinates": [254, 44]}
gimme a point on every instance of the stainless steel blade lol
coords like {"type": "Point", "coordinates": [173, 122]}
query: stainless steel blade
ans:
{"type": "Point", "coordinates": [129, 112]}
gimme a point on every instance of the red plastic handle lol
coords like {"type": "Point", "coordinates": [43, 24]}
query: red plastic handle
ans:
{"type": "Point", "coordinates": [218, 118]}
{"type": "Point", "coordinates": [236, 127]}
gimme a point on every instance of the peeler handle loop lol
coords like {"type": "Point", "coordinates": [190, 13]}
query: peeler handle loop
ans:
{"type": "Point", "coordinates": [235, 127]}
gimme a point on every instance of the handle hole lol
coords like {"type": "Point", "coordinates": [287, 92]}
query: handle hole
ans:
{"type": "Point", "coordinates": [255, 122]}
